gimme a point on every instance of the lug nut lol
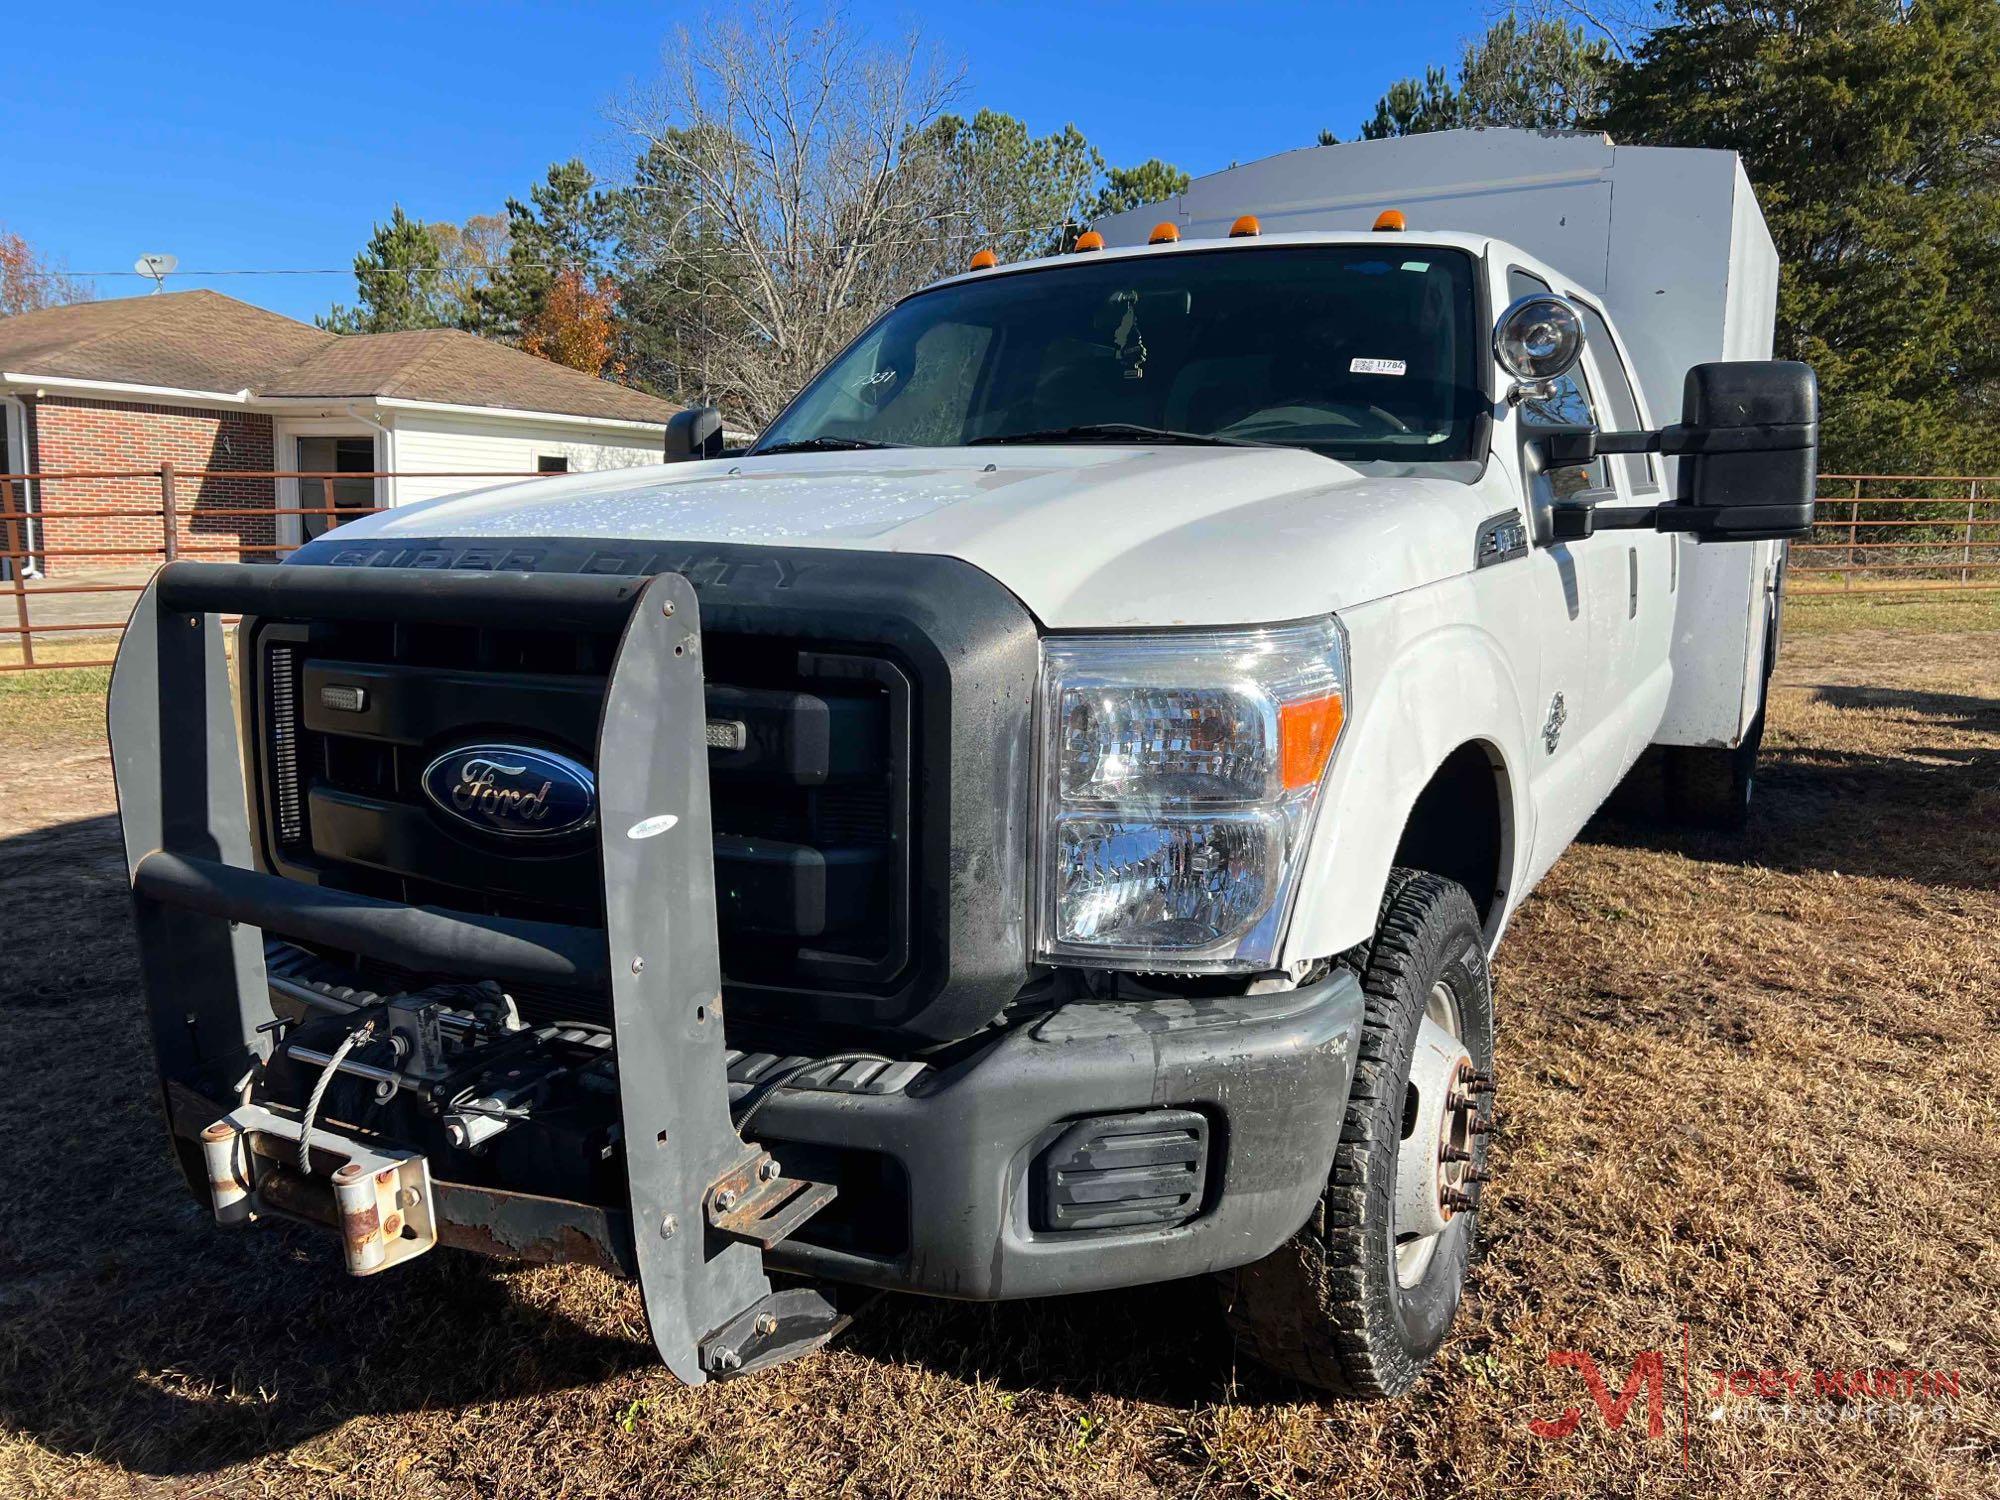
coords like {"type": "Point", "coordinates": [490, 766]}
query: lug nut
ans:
{"type": "Point", "coordinates": [1479, 1125]}
{"type": "Point", "coordinates": [1478, 1174]}
{"type": "Point", "coordinates": [1454, 1153]}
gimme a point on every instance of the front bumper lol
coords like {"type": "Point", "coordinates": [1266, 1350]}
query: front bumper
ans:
{"type": "Point", "coordinates": [960, 1144]}
{"type": "Point", "coordinates": [1269, 1072]}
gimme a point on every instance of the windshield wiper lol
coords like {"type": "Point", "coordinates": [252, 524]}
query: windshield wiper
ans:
{"type": "Point", "coordinates": [824, 445]}
{"type": "Point", "coordinates": [1118, 432]}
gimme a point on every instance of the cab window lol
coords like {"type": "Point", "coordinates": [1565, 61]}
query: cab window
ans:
{"type": "Point", "coordinates": [1622, 405]}
{"type": "Point", "coordinates": [1363, 353]}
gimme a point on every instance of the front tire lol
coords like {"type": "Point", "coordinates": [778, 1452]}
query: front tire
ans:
{"type": "Point", "coordinates": [1361, 1298]}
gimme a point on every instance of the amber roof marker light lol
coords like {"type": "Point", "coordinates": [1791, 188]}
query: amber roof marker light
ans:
{"type": "Point", "coordinates": [1164, 234]}
{"type": "Point", "coordinates": [1090, 239]}
{"type": "Point", "coordinates": [1390, 221]}
{"type": "Point", "coordinates": [984, 260]}
{"type": "Point", "coordinates": [1245, 228]}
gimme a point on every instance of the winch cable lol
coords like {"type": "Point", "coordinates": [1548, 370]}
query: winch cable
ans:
{"type": "Point", "coordinates": [784, 1078]}
{"type": "Point", "coordinates": [348, 1043]}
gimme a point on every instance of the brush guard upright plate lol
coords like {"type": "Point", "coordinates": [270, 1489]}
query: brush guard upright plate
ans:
{"type": "Point", "coordinates": [702, 1202]}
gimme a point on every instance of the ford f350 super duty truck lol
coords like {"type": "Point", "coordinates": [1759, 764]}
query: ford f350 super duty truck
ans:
{"type": "Point", "coordinates": [1036, 821]}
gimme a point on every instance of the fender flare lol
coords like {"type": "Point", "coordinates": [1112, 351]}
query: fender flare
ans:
{"type": "Point", "coordinates": [1440, 690]}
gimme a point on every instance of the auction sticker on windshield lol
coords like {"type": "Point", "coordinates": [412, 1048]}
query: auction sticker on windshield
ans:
{"type": "Point", "coordinates": [1376, 367]}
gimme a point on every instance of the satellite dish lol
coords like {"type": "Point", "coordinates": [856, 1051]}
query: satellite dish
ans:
{"type": "Point", "coordinates": [159, 267]}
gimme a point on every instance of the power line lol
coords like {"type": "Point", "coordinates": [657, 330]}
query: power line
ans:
{"type": "Point", "coordinates": [552, 265]}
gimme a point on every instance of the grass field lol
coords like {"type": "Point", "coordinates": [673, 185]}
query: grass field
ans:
{"type": "Point", "coordinates": [1749, 1094]}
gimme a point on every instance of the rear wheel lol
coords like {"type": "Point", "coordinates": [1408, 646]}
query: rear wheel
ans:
{"type": "Point", "coordinates": [1712, 788]}
{"type": "Point", "coordinates": [1363, 1295]}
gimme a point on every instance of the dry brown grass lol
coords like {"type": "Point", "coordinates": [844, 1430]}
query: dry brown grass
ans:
{"type": "Point", "coordinates": [1747, 1089]}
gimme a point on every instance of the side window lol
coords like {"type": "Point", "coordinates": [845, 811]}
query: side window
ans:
{"type": "Point", "coordinates": [1567, 404]}
{"type": "Point", "coordinates": [1522, 283]}
{"type": "Point", "coordinates": [1641, 470]}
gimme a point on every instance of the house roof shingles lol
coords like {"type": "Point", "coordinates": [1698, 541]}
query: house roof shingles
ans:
{"type": "Point", "coordinates": [205, 341]}
{"type": "Point", "coordinates": [445, 364]}
{"type": "Point", "coordinates": [197, 341]}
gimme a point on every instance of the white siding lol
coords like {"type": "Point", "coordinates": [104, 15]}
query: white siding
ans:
{"type": "Point", "coordinates": [434, 442]}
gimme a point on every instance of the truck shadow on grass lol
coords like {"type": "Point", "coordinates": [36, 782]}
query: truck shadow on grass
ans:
{"type": "Point", "coordinates": [1911, 793]}
{"type": "Point", "coordinates": [132, 1329]}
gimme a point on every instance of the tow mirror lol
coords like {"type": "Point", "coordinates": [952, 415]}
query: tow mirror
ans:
{"type": "Point", "coordinates": [1748, 442]}
{"type": "Point", "coordinates": [694, 433]}
{"type": "Point", "coordinates": [1751, 458]}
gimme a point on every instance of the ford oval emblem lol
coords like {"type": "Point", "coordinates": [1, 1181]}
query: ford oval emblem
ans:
{"type": "Point", "coordinates": [512, 791]}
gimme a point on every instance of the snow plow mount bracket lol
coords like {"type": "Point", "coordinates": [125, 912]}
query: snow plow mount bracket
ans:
{"type": "Point", "coordinates": [381, 1201]}
{"type": "Point", "coordinates": [203, 903]}
{"type": "Point", "coordinates": [755, 1202]}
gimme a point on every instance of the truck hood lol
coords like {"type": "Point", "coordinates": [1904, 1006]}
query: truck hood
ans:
{"type": "Point", "coordinates": [1091, 537]}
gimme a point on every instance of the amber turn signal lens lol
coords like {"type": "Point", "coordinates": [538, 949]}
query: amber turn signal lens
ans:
{"type": "Point", "coordinates": [984, 260]}
{"type": "Point", "coordinates": [1247, 225]}
{"type": "Point", "coordinates": [1307, 731]}
{"type": "Point", "coordinates": [1390, 220]}
{"type": "Point", "coordinates": [1090, 239]}
{"type": "Point", "coordinates": [1164, 234]}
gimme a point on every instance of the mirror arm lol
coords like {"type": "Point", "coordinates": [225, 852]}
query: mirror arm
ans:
{"type": "Point", "coordinates": [1764, 437]}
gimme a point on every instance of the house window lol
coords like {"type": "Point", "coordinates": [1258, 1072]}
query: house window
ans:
{"type": "Point", "coordinates": [552, 463]}
{"type": "Point", "coordinates": [335, 455]}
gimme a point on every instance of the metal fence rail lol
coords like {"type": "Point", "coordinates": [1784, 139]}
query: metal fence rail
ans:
{"type": "Point", "coordinates": [22, 519]}
{"type": "Point", "coordinates": [1873, 533]}
{"type": "Point", "coordinates": [1901, 533]}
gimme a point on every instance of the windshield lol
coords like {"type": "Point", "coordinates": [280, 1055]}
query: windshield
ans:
{"type": "Point", "coordinates": [1359, 352]}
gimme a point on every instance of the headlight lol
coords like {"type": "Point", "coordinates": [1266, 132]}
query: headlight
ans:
{"type": "Point", "coordinates": [1180, 774]}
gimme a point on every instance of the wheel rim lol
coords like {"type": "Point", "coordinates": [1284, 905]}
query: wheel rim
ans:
{"type": "Point", "coordinates": [1437, 1118]}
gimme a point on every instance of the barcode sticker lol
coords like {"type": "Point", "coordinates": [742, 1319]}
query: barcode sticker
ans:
{"type": "Point", "coordinates": [1376, 367]}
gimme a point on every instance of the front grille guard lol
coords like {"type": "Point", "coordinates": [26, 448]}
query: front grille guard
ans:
{"type": "Point", "coordinates": [202, 909]}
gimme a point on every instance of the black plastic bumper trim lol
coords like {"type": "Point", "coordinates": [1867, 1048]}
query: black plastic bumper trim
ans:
{"type": "Point", "coordinates": [1271, 1073]}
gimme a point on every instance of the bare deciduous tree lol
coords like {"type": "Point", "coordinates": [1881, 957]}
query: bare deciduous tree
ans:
{"type": "Point", "coordinates": [784, 194]}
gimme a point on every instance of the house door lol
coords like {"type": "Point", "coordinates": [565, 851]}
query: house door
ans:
{"type": "Point", "coordinates": [335, 455]}
{"type": "Point", "coordinates": [15, 536]}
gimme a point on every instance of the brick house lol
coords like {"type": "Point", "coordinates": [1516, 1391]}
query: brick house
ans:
{"type": "Point", "coordinates": [217, 387]}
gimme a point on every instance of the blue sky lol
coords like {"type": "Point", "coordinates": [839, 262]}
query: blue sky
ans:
{"type": "Point", "coordinates": [275, 135]}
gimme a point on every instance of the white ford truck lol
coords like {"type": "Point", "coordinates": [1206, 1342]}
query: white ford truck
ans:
{"type": "Point", "coordinates": [1035, 821]}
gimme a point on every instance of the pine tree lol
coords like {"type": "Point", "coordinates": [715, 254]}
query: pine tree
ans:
{"type": "Point", "coordinates": [566, 225]}
{"type": "Point", "coordinates": [400, 275]}
{"type": "Point", "coordinates": [1871, 131]}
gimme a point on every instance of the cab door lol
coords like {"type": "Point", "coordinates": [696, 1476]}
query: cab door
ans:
{"type": "Point", "coordinates": [1540, 597]}
{"type": "Point", "coordinates": [1576, 679]}
{"type": "Point", "coordinates": [1636, 621]}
